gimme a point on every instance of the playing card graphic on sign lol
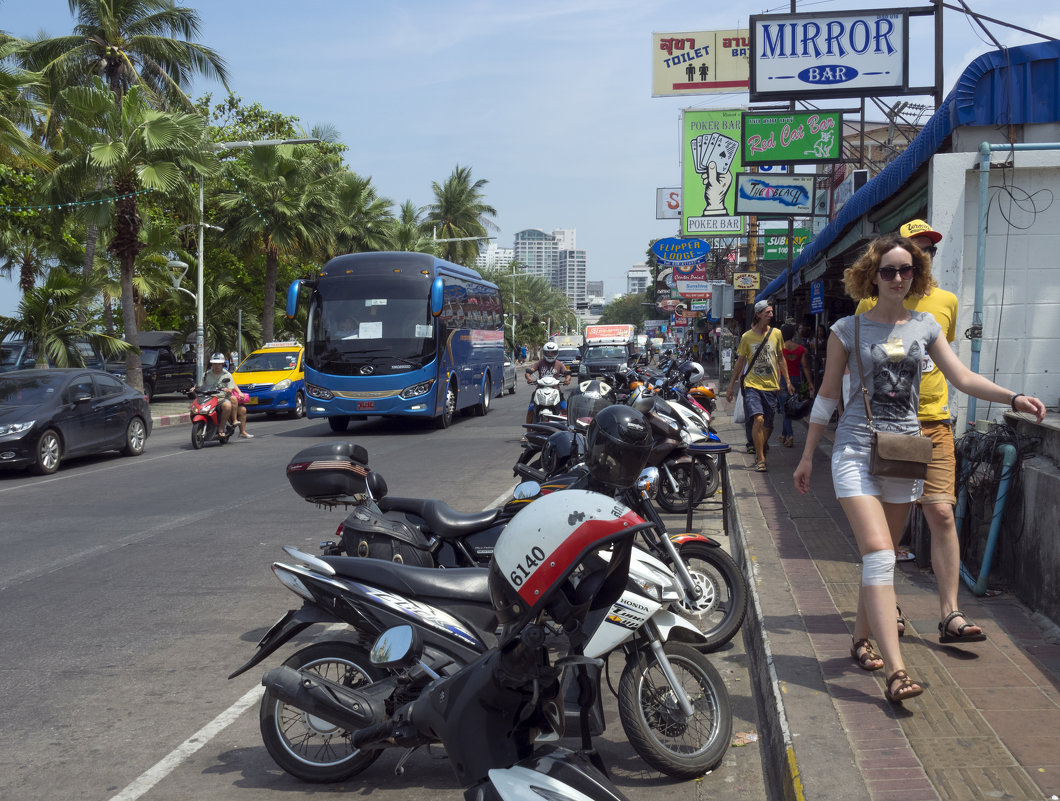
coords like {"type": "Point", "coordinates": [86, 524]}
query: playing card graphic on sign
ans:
{"type": "Point", "coordinates": [712, 156]}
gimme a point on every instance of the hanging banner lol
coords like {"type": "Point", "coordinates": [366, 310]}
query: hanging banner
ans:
{"type": "Point", "coordinates": [775, 243]}
{"type": "Point", "coordinates": [829, 54]}
{"type": "Point", "coordinates": [681, 254]}
{"type": "Point", "coordinates": [710, 153]}
{"type": "Point", "coordinates": [781, 195]}
{"type": "Point", "coordinates": [695, 289]}
{"type": "Point", "coordinates": [745, 280]}
{"type": "Point", "coordinates": [699, 63]}
{"type": "Point", "coordinates": [801, 137]}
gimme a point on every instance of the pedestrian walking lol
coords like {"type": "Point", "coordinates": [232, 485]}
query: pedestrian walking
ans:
{"type": "Point", "coordinates": [761, 371]}
{"type": "Point", "coordinates": [799, 373]}
{"type": "Point", "coordinates": [933, 413]}
{"type": "Point", "coordinates": [894, 342]}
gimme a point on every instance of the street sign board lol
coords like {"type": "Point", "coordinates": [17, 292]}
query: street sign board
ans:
{"type": "Point", "coordinates": [699, 62]}
{"type": "Point", "coordinates": [797, 137]}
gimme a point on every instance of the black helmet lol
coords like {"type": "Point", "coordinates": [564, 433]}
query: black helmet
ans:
{"type": "Point", "coordinates": [590, 397]}
{"type": "Point", "coordinates": [619, 442]}
{"type": "Point", "coordinates": [562, 450]}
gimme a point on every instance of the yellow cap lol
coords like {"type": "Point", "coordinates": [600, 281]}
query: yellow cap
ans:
{"type": "Point", "coordinates": [919, 228]}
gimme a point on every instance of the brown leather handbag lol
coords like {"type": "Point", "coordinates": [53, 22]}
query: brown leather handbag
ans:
{"type": "Point", "coordinates": [891, 455]}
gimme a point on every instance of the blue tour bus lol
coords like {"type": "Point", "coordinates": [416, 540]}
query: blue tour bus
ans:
{"type": "Point", "coordinates": [397, 333]}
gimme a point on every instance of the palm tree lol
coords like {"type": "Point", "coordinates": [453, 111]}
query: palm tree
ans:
{"type": "Point", "coordinates": [49, 317]}
{"type": "Point", "coordinates": [17, 107]}
{"type": "Point", "coordinates": [283, 206]}
{"type": "Point", "coordinates": [406, 232]}
{"type": "Point", "coordinates": [127, 148]}
{"type": "Point", "coordinates": [459, 212]}
{"type": "Point", "coordinates": [364, 219]}
{"type": "Point", "coordinates": [128, 43]}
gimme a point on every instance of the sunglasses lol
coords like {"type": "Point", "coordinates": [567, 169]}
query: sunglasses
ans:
{"type": "Point", "coordinates": [931, 250]}
{"type": "Point", "coordinates": [888, 273]}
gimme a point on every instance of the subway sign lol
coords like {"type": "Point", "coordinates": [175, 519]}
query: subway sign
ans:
{"type": "Point", "coordinates": [836, 54]}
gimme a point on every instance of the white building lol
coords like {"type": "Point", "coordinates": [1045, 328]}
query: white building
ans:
{"type": "Point", "coordinates": [570, 277]}
{"type": "Point", "coordinates": [637, 279]}
{"type": "Point", "coordinates": [491, 257]}
{"type": "Point", "coordinates": [537, 252]}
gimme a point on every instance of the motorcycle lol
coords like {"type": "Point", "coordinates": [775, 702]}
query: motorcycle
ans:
{"type": "Point", "coordinates": [427, 532]}
{"type": "Point", "coordinates": [673, 704]}
{"type": "Point", "coordinates": [497, 716]}
{"type": "Point", "coordinates": [548, 399]}
{"type": "Point", "coordinates": [205, 411]}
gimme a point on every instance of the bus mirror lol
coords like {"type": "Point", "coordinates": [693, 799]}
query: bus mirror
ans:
{"type": "Point", "coordinates": [437, 288]}
{"type": "Point", "coordinates": [292, 297]}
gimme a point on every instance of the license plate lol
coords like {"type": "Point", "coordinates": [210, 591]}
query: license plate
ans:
{"type": "Point", "coordinates": [250, 402]}
{"type": "Point", "coordinates": [365, 406]}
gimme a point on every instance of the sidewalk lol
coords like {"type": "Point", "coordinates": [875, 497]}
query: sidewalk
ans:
{"type": "Point", "coordinates": [985, 727]}
{"type": "Point", "coordinates": [169, 410]}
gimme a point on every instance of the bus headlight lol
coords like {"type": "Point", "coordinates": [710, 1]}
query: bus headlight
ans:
{"type": "Point", "coordinates": [417, 389]}
{"type": "Point", "coordinates": [313, 391]}
{"type": "Point", "coordinates": [279, 386]}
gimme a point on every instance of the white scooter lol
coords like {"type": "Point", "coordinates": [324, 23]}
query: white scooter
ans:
{"type": "Point", "coordinates": [547, 399]}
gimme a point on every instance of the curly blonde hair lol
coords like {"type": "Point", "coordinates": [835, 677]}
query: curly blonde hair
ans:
{"type": "Point", "coordinates": [859, 279]}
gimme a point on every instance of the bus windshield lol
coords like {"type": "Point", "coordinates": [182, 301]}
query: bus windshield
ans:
{"type": "Point", "coordinates": [357, 320]}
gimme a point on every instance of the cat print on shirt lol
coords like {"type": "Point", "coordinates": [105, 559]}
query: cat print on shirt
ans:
{"type": "Point", "coordinates": [893, 381]}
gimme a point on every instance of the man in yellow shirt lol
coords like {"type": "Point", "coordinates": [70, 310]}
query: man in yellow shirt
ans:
{"type": "Point", "coordinates": [940, 484]}
{"type": "Point", "coordinates": [761, 384]}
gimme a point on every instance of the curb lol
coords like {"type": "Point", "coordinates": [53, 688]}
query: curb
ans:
{"type": "Point", "coordinates": [781, 768]}
{"type": "Point", "coordinates": [170, 419]}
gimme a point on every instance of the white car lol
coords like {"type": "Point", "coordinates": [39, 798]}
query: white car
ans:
{"type": "Point", "coordinates": [508, 379]}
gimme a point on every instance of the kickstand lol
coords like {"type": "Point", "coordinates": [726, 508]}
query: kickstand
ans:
{"type": "Point", "coordinates": [399, 768]}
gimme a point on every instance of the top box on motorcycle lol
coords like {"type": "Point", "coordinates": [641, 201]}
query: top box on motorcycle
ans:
{"type": "Point", "coordinates": [330, 472]}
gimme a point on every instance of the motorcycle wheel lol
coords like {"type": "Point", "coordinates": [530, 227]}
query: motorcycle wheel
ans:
{"type": "Point", "coordinates": [198, 434]}
{"type": "Point", "coordinates": [712, 476]}
{"type": "Point", "coordinates": [307, 747]}
{"type": "Point", "coordinates": [685, 475]}
{"type": "Point", "coordinates": [720, 609]}
{"type": "Point", "coordinates": [657, 729]}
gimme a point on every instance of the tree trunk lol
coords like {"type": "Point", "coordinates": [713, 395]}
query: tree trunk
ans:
{"type": "Point", "coordinates": [91, 235]}
{"type": "Point", "coordinates": [268, 313]}
{"type": "Point", "coordinates": [134, 375]}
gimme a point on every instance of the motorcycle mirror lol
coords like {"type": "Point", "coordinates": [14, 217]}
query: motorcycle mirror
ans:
{"type": "Point", "coordinates": [648, 482]}
{"type": "Point", "coordinates": [400, 645]}
{"type": "Point", "coordinates": [526, 491]}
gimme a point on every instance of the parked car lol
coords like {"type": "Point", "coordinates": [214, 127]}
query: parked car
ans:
{"type": "Point", "coordinates": [17, 354]}
{"type": "Point", "coordinates": [274, 377]}
{"type": "Point", "coordinates": [164, 371]}
{"type": "Point", "coordinates": [47, 416]}
{"type": "Point", "coordinates": [509, 378]}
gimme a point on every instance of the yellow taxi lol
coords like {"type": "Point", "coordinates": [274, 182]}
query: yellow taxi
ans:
{"type": "Point", "coordinates": [274, 378]}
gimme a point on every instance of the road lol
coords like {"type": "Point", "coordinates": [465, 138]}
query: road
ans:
{"type": "Point", "coordinates": [131, 587]}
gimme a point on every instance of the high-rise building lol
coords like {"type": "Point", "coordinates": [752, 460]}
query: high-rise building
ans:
{"type": "Point", "coordinates": [594, 289]}
{"type": "Point", "coordinates": [637, 278]}
{"type": "Point", "coordinates": [536, 252]}
{"type": "Point", "coordinates": [491, 257]}
{"type": "Point", "coordinates": [570, 277]}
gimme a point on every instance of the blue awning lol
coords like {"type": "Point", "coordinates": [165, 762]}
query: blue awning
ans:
{"type": "Point", "coordinates": [1004, 87]}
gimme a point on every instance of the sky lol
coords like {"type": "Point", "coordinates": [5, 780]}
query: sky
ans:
{"type": "Point", "coordinates": [549, 101]}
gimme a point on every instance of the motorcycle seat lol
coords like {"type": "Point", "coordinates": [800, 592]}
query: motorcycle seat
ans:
{"type": "Point", "coordinates": [441, 519]}
{"type": "Point", "coordinates": [462, 583]}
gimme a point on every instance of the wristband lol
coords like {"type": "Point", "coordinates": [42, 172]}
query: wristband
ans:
{"type": "Point", "coordinates": [1012, 400]}
{"type": "Point", "coordinates": [822, 409]}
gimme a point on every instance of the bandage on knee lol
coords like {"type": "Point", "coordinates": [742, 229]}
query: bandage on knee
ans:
{"type": "Point", "coordinates": [822, 409]}
{"type": "Point", "coordinates": [877, 568]}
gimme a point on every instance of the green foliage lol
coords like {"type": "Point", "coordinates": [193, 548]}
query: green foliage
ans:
{"type": "Point", "coordinates": [629, 310]}
{"type": "Point", "coordinates": [459, 211]}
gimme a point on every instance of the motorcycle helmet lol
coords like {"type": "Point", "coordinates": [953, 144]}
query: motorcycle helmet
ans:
{"type": "Point", "coordinates": [546, 561]}
{"type": "Point", "coordinates": [561, 451]}
{"type": "Point", "coordinates": [618, 444]}
{"type": "Point", "coordinates": [692, 372]}
{"type": "Point", "coordinates": [549, 351]}
{"type": "Point", "coordinates": [590, 397]}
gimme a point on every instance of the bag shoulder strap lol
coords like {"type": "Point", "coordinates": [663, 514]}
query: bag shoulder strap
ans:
{"type": "Point", "coordinates": [861, 370]}
{"type": "Point", "coordinates": [762, 344]}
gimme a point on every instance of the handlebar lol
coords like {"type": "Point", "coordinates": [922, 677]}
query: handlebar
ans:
{"type": "Point", "coordinates": [532, 473]}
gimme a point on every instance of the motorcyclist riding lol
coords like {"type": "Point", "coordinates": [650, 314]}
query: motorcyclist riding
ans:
{"type": "Point", "coordinates": [217, 377]}
{"type": "Point", "coordinates": [548, 364]}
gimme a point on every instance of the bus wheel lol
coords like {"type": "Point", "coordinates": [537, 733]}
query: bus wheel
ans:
{"type": "Point", "coordinates": [445, 419]}
{"type": "Point", "coordinates": [338, 424]}
{"type": "Point", "coordinates": [487, 394]}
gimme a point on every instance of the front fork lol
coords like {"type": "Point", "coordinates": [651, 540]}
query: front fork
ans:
{"type": "Point", "coordinates": [691, 588]}
{"type": "Point", "coordinates": [656, 643]}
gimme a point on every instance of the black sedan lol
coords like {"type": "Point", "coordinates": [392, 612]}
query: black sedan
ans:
{"type": "Point", "coordinates": [49, 415]}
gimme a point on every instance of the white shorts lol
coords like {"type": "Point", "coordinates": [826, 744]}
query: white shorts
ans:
{"type": "Point", "coordinates": [850, 477]}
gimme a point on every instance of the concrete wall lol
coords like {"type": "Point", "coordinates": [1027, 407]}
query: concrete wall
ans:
{"type": "Point", "coordinates": [1021, 297]}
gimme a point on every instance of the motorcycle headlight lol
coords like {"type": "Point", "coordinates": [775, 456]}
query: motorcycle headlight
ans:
{"type": "Point", "coordinates": [16, 428]}
{"type": "Point", "coordinates": [417, 389]}
{"type": "Point", "coordinates": [282, 385]}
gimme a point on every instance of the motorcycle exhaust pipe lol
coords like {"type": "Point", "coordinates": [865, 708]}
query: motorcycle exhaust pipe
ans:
{"type": "Point", "coordinates": [328, 700]}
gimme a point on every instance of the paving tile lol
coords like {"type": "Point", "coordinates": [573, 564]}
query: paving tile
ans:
{"type": "Point", "coordinates": [963, 781]}
{"type": "Point", "coordinates": [1007, 698]}
{"type": "Point", "coordinates": [1029, 734]}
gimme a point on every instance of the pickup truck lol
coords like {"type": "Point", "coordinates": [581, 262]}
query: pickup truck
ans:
{"type": "Point", "coordinates": [163, 371]}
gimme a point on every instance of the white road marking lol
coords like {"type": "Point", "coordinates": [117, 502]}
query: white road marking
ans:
{"type": "Point", "coordinates": [172, 760]}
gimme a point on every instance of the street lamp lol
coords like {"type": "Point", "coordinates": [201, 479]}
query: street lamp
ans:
{"type": "Point", "coordinates": [200, 332]}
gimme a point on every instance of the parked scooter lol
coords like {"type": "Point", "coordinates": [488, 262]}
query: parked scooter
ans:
{"type": "Point", "coordinates": [491, 715]}
{"type": "Point", "coordinates": [205, 413]}
{"type": "Point", "coordinates": [673, 704]}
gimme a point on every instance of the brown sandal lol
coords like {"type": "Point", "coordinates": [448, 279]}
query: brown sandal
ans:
{"type": "Point", "coordinates": [907, 688]}
{"type": "Point", "coordinates": [865, 654]}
